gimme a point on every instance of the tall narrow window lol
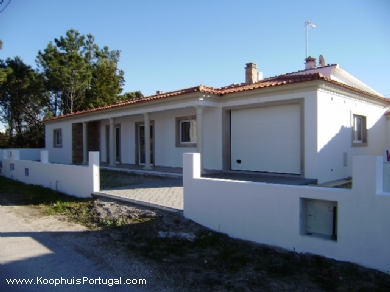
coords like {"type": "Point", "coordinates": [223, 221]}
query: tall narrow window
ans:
{"type": "Point", "coordinates": [359, 130]}
{"type": "Point", "coordinates": [57, 135]}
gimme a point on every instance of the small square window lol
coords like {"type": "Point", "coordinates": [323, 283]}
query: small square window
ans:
{"type": "Point", "coordinates": [359, 131]}
{"type": "Point", "coordinates": [186, 132]}
{"type": "Point", "coordinates": [57, 138]}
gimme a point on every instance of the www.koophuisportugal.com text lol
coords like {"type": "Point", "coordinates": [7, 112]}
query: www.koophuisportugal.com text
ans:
{"type": "Point", "coordinates": [76, 281]}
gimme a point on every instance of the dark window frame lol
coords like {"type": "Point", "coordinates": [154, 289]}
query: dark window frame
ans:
{"type": "Point", "coordinates": [359, 130]}
{"type": "Point", "coordinates": [57, 138]}
{"type": "Point", "coordinates": [179, 134]}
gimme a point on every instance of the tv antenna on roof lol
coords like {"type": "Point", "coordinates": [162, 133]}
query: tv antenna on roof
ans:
{"type": "Point", "coordinates": [308, 25]}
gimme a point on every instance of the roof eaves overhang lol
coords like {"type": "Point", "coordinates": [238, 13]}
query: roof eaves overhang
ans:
{"type": "Point", "coordinates": [281, 89]}
{"type": "Point", "coordinates": [352, 92]}
{"type": "Point", "coordinates": [352, 79]}
{"type": "Point", "coordinates": [192, 99]}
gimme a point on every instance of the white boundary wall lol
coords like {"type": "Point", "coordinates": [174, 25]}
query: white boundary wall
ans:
{"type": "Point", "coordinates": [75, 180]}
{"type": "Point", "coordinates": [25, 153]}
{"type": "Point", "coordinates": [272, 214]}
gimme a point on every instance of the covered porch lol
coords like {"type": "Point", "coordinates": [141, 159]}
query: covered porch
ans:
{"type": "Point", "coordinates": [152, 138]}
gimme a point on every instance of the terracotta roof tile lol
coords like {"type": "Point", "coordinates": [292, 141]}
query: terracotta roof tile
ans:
{"type": "Point", "coordinates": [134, 101]}
{"type": "Point", "coordinates": [273, 81]}
{"type": "Point", "coordinates": [268, 82]}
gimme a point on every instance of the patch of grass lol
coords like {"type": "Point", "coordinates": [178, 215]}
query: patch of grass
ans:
{"type": "Point", "coordinates": [50, 202]}
{"type": "Point", "coordinates": [347, 185]}
{"type": "Point", "coordinates": [321, 262]}
{"type": "Point", "coordinates": [283, 269]}
{"type": "Point", "coordinates": [326, 283]}
{"type": "Point", "coordinates": [351, 271]}
{"type": "Point", "coordinates": [23, 194]}
{"type": "Point", "coordinates": [209, 239]}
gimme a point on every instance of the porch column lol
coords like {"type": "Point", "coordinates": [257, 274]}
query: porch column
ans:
{"type": "Point", "coordinates": [85, 141]}
{"type": "Point", "coordinates": [199, 134]}
{"type": "Point", "coordinates": [147, 140]}
{"type": "Point", "coordinates": [112, 142]}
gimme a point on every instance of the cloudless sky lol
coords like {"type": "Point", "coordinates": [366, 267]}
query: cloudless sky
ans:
{"type": "Point", "coordinates": [173, 44]}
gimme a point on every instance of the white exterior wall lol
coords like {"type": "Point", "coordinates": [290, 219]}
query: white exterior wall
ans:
{"type": "Point", "coordinates": [103, 149]}
{"type": "Point", "coordinates": [326, 132]}
{"type": "Point", "coordinates": [128, 138]}
{"type": "Point", "coordinates": [335, 125]}
{"type": "Point", "coordinates": [272, 214]}
{"type": "Point", "coordinates": [310, 136]}
{"type": "Point", "coordinates": [75, 180]}
{"type": "Point", "coordinates": [24, 153]}
{"type": "Point", "coordinates": [63, 154]}
{"type": "Point", "coordinates": [212, 138]}
{"type": "Point", "coordinates": [165, 151]}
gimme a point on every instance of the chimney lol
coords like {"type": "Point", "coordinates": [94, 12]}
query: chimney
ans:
{"type": "Point", "coordinates": [310, 63]}
{"type": "Point", "coordinates": [251, 74]}
{"type": "Point", "coordinates": [321, 61]}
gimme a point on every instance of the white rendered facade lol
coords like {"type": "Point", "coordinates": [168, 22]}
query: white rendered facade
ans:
{"type": "Point", "coordinates": [233, 132]}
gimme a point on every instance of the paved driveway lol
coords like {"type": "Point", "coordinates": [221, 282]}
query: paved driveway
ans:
{"type": "Point", "coordinates": [166, 192]}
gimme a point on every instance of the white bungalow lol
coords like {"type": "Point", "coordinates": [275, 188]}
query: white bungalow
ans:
{"type": "Point", "coordinates": [308, 123]}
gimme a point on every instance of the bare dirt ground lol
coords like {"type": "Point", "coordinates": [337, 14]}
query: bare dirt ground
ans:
{"type": "Point", "coordinates": [176, 254]}
{"type": "Point", "coordinates": [209, 261]}
{"type": "Point", "coordinates": [98, 246]}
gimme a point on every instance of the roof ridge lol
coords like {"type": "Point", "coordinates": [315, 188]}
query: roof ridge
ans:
{"type": "Point", "coordinates": [313, 74]}
{"type": "Point", "coordinates": [300, 71]}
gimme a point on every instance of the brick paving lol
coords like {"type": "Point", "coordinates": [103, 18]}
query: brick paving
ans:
{"type": "Point", "coordinates": [163, 187]}
{"type": "Point", "coordinates": [163, 192]}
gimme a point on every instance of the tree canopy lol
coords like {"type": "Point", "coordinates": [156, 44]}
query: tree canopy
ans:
{"type": "Point", "coordinates": [22, 99]}
{"type": "Point", "coordinates": [78, 74]}
{"type": "Point", "coordinates": [131, 95]}
{"type": "Point", "coordinates": [73, 74]}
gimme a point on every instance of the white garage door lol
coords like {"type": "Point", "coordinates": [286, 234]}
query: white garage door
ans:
{"type": "Point", "coordinates": [266, 139]}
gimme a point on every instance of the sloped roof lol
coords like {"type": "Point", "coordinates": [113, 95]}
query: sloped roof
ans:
{"type": "Point", "coordinates": [312, 69]}
{"type": "Point", "coordinates": [265, 83]}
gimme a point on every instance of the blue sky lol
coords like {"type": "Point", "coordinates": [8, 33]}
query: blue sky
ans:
{"type": "Point", "coordinates": [174, 44]}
